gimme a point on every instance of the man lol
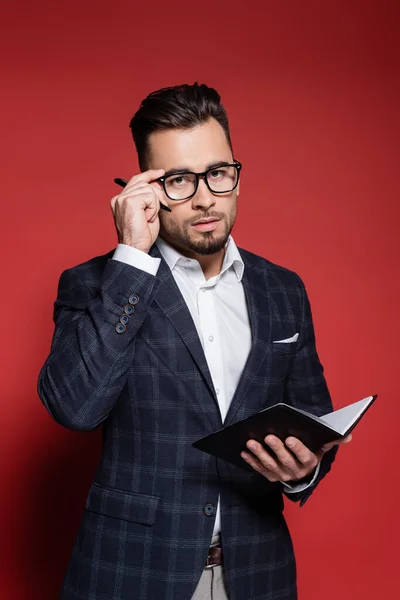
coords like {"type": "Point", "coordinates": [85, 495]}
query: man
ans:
{"type": "Point", "coordinates": [162, 341]}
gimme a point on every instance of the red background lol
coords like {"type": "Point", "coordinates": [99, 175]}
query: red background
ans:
{"type": "Point", "coordinates": [312, 89]}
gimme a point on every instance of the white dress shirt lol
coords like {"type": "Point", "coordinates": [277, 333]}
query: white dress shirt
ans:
{"type": "Point", "coordinates": [219, 311]}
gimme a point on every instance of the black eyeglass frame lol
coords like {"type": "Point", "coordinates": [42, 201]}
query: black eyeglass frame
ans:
{"type": "Point", "coordinates": [238, 166]}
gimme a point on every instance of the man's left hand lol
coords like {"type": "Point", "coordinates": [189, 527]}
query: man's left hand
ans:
{"type": "Point", "coordinates": [293, 462]}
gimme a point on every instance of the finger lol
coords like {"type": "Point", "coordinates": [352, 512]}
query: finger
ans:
{"type": "Point", "coordinates": [150, 205]}
{"type": "Point", "coordinates": [159, 193]}
{"type": "Point", "coordinates": [270, 474]}
{"type": "Point", "coordinates": [113, 202]}
{"type": "Point", "coordinates": [264, 457]}
{"type": "Point", "coordinates": [151, 188]}
{"type": "Point", "coordinates": [152, 219]}
{"type": "Point", "coordinates": [145, 202]}
{"type": "Point", "coordinates": [301, 452]}
{"type": "Point", "coordinates": [341, 441]}
{"type": "Point", "coordinates": [128, 189]}
{"type": "Point", "coordinates": [152, 208]}
{"type": "Point", "coordinates": [285, 458]}
{"type": "Point", "coordinates": [146, 176]}
{"type": "Point", "coordinates": [126, 193]}
{"type": "Point", "coordinates": [143, 195]}
{"type": "Point", "coordinates": [152, 213]}
{"type": "Point", "coordinates": [135, 186]}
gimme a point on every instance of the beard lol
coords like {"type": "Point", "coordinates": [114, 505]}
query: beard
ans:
{"type": "Point", "coordinates": [210, 242]}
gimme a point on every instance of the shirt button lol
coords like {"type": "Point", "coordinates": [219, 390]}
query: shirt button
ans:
{"type": "Point", "coordinates": [217, 391]}
{"type": "Point", "coordinates": [209, 510]}
{"type": "Point", "coordinates": [210, 338]}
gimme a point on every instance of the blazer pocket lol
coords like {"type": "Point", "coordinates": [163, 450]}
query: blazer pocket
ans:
{"type": "Point", "coordinates": [284, 349]}
{"type": "Point", "coordinates": [291, 340]}
{"type": "Point", "coordinates": [129, 506]}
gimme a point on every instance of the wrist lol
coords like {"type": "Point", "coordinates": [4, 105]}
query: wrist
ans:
{"type": "Point", "coordinates": [142, 247]}
{"type": "Point", "coordinates": [136, 258]}
{"type": "Point", "coordinates": [303, 480]}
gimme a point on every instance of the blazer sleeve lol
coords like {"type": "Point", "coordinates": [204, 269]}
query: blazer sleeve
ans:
{"type": "Point", "coordinates": [306, 387]}
{"type": "Point", "coordinates": [86, 370]}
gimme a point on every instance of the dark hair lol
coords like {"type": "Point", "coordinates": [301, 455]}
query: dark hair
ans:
{"type": "Point", "coordinates": [178, 107]}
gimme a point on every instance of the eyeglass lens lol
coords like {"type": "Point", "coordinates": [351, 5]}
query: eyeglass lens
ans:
{"type": "Point", "coordinates": [181, 186]}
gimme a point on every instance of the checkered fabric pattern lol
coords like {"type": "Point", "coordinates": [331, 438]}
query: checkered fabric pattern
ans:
{"type": "Point", "coordinates": [145, 530]}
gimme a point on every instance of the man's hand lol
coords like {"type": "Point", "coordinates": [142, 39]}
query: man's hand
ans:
{"type": "Point", "coordinates": [135, 210]}
{"type": "Point", "coordinates": [294, 460]}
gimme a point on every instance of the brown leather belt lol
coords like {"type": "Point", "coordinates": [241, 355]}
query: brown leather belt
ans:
{"type": "Point", "coordinates": [214, 557]}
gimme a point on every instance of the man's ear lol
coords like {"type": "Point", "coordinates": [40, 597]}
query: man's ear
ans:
{"type": "Point", "coordinates": [238, 189]}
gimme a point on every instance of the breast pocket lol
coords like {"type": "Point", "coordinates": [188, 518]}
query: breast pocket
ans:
{"type": "Point", "coordinates": [281, 356]}
{"type": "Point", "coordinates": [129, 506]}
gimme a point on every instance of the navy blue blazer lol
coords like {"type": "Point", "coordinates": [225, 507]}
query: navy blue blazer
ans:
{"type": "Point", "coordinates": [150, 511]}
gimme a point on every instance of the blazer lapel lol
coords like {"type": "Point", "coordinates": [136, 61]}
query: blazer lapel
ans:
{"type": "Point", "coordinates": [171, 302]}
{"type": "Point", "coordinates": [259, 309]}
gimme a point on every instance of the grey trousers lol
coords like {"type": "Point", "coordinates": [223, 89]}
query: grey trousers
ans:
{"type": "Point", "coordinates": [211, 585]}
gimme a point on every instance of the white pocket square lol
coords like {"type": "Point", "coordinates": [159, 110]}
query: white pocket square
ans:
{"type": "Point", "coordinates": [287, 340]}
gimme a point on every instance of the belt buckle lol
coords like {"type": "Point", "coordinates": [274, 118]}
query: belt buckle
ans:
{"type": "Point", "coordinates": [209, 566]}
{"type": "Point", "coordinates": [209, 558]}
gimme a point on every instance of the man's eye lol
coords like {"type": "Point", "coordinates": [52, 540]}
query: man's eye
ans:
{"type": "Point", "coordinates": [180, 180]}
{"type": "Point", "coordinates": [217, 173]}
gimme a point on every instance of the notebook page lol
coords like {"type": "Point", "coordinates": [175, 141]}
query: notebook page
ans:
{"type": "Point", "coordinates": [340, 420]}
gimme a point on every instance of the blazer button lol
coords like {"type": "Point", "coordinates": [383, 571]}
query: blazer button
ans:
{"type": "Point", "coordinates": [120, 328]}
{"type": "Point", "coordinates": [124, 319]}
{"type": "Point", "coordinates": [133, 299]}
{"type": "Point", "coordinates": [209, 510]}
{"type": "Point", "coordinates": [129, 309]}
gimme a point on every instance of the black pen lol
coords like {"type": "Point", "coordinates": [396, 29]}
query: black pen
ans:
{"type": "Point", "coordinates": [123, 183]}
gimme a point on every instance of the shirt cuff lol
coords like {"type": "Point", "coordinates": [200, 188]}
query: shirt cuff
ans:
{"type": "Point", "coordinates": [295, 489]}
{"type": "Point", "coordinates": [136, 258]}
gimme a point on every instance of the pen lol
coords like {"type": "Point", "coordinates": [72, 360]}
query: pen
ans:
{"type": "Point", "coordinates": [123, 183]}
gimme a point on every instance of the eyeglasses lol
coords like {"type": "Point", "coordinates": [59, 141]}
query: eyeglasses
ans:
{"type": "Point", "coordinates": [220, 179]}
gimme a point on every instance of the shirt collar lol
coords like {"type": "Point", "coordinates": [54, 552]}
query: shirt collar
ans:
{"type": "Point", "coordinates": [232, 257]}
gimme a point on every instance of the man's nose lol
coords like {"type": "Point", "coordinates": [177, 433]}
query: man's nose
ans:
{"type": "Point", "coordinates": [203, 198]}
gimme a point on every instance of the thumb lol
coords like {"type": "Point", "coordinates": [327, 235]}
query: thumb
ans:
{"type": "Point", "coordinates": [326, 447]}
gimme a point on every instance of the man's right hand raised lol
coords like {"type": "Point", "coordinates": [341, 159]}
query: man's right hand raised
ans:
{"type": "Point", "coordinates": [135, 210]}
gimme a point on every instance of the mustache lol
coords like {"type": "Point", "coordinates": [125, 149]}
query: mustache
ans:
{"type": "Point", "coordinates": [209, 215]}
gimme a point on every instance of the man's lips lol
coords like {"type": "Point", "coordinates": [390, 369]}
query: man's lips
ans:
{"type": "Point", "coordinates": [205, 220]}
{"type": "Point", "coordinates": [206, 224]}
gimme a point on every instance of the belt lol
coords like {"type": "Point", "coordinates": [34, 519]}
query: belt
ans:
{"type": "Point", "coordinates": [215, 557]}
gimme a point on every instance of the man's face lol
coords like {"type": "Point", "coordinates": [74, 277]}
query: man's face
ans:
{"type": "Point", "coordinates": [195, 150]}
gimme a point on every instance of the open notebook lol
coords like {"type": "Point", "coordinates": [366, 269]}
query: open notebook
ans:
{"type": "Point", "coordinates": [283, 420]}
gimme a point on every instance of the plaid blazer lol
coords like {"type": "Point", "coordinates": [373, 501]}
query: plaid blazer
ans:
{"type": "Point", "coordinates": [150, 511]}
